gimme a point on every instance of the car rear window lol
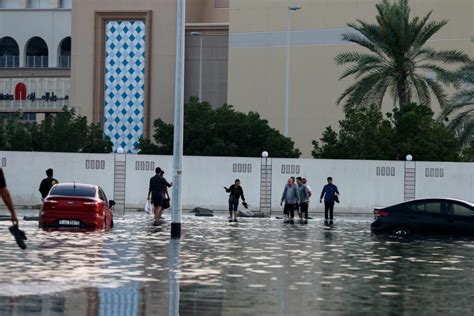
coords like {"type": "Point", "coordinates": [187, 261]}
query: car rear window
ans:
{"type": "Point", "coordinates": [73, 191]}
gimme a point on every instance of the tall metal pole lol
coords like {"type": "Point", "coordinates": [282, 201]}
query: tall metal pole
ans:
{"type": "Point", "coordinates": [287, 75]}
{"type": "Point", "coordinates": [200, 69]}
{"type": "Point", "coordinates": [178, 120]}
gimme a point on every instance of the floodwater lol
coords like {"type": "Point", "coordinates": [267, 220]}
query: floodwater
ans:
{"type": "Point", "coordinates": [254, 267]}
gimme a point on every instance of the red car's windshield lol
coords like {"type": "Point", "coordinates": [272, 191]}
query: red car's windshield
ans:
{"type": "Point", "coordinates": [73, 191]}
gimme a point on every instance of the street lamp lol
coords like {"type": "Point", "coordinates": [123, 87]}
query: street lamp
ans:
{"type": "Point", "coordinates": [200, 62]}
{"type": "Point", "coordinates": [409, 157]}
{"type": "Point", "coordinates": [287, 79]}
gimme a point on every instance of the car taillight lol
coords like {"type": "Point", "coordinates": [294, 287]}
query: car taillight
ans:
{"type": "Point", "coordinates": [381, 213]}
{"type": "Point", "coordinates": [49, 204]}
{"type": "Point", "coordinates": [93, 206]}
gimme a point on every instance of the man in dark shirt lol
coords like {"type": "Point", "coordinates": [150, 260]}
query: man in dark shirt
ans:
{"type": "Point", "coordinates": [157, 183]}
{"type": "Point", "coordinates": [236, 192]}
{"type": "Point", "coordinates": [330, 194]}
{"type": "Point", "coordinates": [47, 183]}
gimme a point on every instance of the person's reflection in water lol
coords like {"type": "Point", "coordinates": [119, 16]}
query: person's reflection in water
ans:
{"type": "Point", "coordinates": [328, 231]}
{"type": "Point", "coordinates": [174, 266]}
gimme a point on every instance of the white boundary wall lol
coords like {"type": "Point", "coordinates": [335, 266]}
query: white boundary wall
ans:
{"type": "Point", "coordinates": [363, 184]}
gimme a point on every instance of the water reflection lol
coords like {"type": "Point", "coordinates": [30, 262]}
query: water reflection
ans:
{"type": "Point", "coordinates": [258, 266]}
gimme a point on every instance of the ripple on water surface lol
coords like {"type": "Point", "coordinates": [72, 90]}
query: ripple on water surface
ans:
{"type": "Point", "coordinates": [258, 266]}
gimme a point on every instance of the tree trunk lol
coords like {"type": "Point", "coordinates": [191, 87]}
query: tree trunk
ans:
{"type": "Point", "coordinates": [403, 92]}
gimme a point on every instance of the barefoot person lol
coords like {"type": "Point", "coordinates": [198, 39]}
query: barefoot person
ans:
{"type": "Point", "coordinates": [290, 198]}
{"type": "Point", "coordinates": [330, 194]}
{"type": "Point", "coordinates": [236, 192]}
{"type": "Point", "coordinates": [157, 183]}
{"type": "Point", "coordinates": [7, 199]}
{"type": "Point", "coordinates": [303, 198]}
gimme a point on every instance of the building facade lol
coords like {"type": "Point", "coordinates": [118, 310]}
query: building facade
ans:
{"type": "Point", "coordinates": [35, 56]}
{"type": "Point", "coordinates": [113, 61]}
{"type": "Point", "coordinates": [124, 61]}
{"type": "Point", "coordinates": [257, 56]}
{"type": "Point", "coordinates": [124, 73]}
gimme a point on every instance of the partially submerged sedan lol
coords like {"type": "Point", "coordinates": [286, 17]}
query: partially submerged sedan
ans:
{"type": "Point", "coordinates": [430, 216]}
{"type": "Point", "coordinates": [76, 205]}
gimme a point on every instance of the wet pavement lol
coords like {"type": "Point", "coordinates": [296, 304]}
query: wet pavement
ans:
{"type": "Point", "coordinates": [254, 267]}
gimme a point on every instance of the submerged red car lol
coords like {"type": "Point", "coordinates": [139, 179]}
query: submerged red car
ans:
{"type": "Point", "coordinates": [76, 205]}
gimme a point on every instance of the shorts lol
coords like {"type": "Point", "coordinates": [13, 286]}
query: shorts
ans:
{"type": "Point", "coordinates": [233, 204]}
{"type": "Point", "coordinates": [289, 208]}
{"type": "Point", "coordinates": [157, 201]}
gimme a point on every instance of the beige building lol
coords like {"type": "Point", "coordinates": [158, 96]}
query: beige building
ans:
{"type": "Point", "coordinates": [124, 61]}
{"type": "Point", "coordinates": [119, 69]}
{"type": "Point", "coordinates": [257, 54]}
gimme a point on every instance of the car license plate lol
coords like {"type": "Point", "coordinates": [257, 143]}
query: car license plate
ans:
{"type": "Point", "coordinates": [69, 223]}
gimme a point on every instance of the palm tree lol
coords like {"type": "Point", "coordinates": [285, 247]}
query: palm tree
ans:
{"type": "Point", "coordinates": [462, 106]}
{"type": "Point", "coordinates": [398, 60]}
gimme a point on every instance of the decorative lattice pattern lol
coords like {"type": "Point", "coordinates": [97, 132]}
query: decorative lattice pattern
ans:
{"type": "Point", "coordinates": [124, 94]}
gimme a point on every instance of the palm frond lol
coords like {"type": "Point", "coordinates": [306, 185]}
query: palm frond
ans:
{"type": "Point", "coordinates": [444, 75]}
{"type": "Point", "coordinates": [421, 89]}
{"type": "Point", "coordinates": [427, 31]}
{"type": "Point", "coordinates": [357, 38]}
{"type": "Point", "coordinates": [466, 134]}
{"type": "Point", "coordinates": [438, 91]}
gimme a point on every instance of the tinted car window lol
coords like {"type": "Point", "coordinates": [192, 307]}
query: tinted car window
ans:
{"type": "Point", "coordinates": [433, 207]}
{"type": "Point", "coordinates": [102, 195]}
{"type": "Point", "coordinates": [417, 207]}
{"type": "Point", "coordinates": [458, 210]}
{"type": "Point", "coordinates": [73, 191]}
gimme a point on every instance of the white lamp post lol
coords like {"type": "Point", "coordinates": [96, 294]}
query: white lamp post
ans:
{"type": "Point", "coordinates": [409, 157]}
{"type": "Point", "coordinates": [287, 79]}
{"type": "Point", "coordinates": [200, 62]}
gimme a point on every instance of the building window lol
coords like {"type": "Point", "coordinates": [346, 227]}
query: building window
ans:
{"type": "Point", "coordinates": [9, 53]}
{"type": "Point", "coordinates": [65, 53]}
{"type": "Point", "coordinates": [65, 4]}
{"type": "Point", "coordinates": [221, 4]}
{"type": "Point", "coordinates": [38, 4]}
{"type": "Point", "coordinates": [36, 53]}
{"type": "Point", "coordinates": [10, 4]}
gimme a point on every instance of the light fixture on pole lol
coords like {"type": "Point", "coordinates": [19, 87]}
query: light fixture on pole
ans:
{"type": "Point", "coordinates": [178, 120]}
{"type": "Point", "coordinates": [200, 62]}
{"type": "Point", "coordinates": [287, 77]}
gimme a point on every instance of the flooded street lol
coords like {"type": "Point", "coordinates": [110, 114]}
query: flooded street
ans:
{"type": "Point", "coordinates": [254, 267]}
